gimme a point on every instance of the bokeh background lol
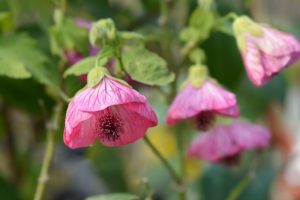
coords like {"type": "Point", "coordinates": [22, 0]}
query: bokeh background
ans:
{"type": "Point", "coordinates": [77, 174]}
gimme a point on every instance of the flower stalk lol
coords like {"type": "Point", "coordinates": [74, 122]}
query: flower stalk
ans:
{"type": "Point", "coordinates": [52, 127]}
{"type": "Point", "coordinates": [237, 191]}
{"type": "Point", "coordinates": [170, 169]}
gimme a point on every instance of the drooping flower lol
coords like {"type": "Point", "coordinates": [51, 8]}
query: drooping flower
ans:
{"type": "Point", "coordinates": [110, 112]}
{"type": "Point", "coordinates": [201, 100]}
{"type": "Point", "coordinates": [225, 143]}
{"type": "Point", "coordinates": [265, 50]}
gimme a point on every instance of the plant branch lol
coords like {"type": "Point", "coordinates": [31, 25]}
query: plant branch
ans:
{"type": "Point", "coordinates": [52, 127]}
{"type": "Point", "coordinates": [170, 169]}
{"type": "Point", "coordinates": [237, 191]}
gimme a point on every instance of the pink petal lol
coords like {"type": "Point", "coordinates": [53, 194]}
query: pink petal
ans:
{"type": "Point", "coordinates": [249, 136]}
{"type": "Point", "coordinates": [269, 54]}
{"type": "Point", "coordinates": [136, 119]}
{"type": "Point", "coordinates": [225, 141]}
{"type": "Point", "coordinates": [233, 111]}
{"type": "Point", "coordinates": [213, 145]}
{"type": "Point", "coordinates": [253, 64]}
{"type": "Point", "coordinates": [79, 128]}
{"type": "Point", "coordinates": [276, 43]}
{"type": "Point", "coordinates": [83, 23]}
{"type": "Point", "coordinates": [107, 93]}
{"type": "Point", "coordinates": [209, 97]}
{"type": "Point", "coordinates": [93, 51]}
{"type": "Point", "coordinates": [273, 65]}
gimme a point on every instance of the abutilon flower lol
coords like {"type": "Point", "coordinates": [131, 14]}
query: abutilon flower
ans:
{"type": "Point", "coordinates": [110, 112]}
{"type": "Point", "coordinates": [265, 51]}
{"type": "Point", "coordinates": [225, 143]}
{"type": "Point", "coordinates": [200, 100]}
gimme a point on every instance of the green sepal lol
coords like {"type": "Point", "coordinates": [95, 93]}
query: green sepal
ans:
{"type": "Point", "coordinates": [95, 75]}
{"type": "Point", "coordinates": [243, 25]}
{"type": "Point", "coordinates": [197, 75]}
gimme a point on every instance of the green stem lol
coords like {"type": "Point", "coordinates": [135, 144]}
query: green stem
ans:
{"type": "Point", "coordinates": [164, 13]}
{"type": "Point", "coordinates": [237, 191]}
{"type": "Point", "coordinates": [49, 152]}
{"type": "Point", "coordinates": [170, 169]}
{"type": "Point", "coordinates": [120, 59]}
{"type": "Point", "coordinates": [181, 155]}
{"type": "Point", "coordinates": [121, 63]}
{"type": "Point", "coordinates": [64, 96]}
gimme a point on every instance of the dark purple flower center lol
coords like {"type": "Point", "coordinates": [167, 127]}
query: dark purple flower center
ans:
{"type": "Point", "coordinates": [109, 127]}
{"type": "Point", "coordinates": [204, 120]}
{"type": "Point", "coordinates": [231, 160]}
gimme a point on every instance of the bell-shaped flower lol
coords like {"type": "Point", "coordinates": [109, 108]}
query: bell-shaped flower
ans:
{"type": "Point", "coordinates": [225, 143]}
{"type": "Point", "coordinates": [200, 100]}
{"type": "Point", "coordinates": [265, 50]}
{"type": "Point", "coordinates": [111, 112]}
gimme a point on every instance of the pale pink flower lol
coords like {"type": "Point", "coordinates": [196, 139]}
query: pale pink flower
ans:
{"type": "Point", "coordinates": [226, 143]}
{"type": "Point", "coordinates": [265, 50]}
{"type": "Point", "coordinates": [110, 112]}
{"type": "Point", "coordinates": [201, 104]}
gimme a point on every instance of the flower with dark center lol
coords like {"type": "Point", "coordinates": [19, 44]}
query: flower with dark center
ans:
{"type": "Point", "coordinates": [109, 127]}
{"type": "Point", "coordinates": [225, 143]}
{"type": "Point", "coordinates": [204, 120]}
{"type": "Point", "coordinates": [201, 102]}
{"type": "Point", "coordinates": [231, 160]}
{"type": "Point", "coordinates": [111, 112]}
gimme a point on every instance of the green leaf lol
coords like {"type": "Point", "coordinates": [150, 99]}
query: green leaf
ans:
{"type": "Point", "coordinates": [20, 58]}
{"type": "Point", "coordinates": [147, 67]}
{"type": "Point", "coordinates": [126, 35]}
{"type": "Point", "coordinates": [81, 67]}
{"type": "Point", "coordinates": [24, 94]}
{"type": "Point", "coordinates": [116, 196]}
{"type": "Point", "coordinates": [66, 35]}
{"type": "Point", "coordinates": [13, 69]}
{"type": "Point", "coordinates": [201, 23]}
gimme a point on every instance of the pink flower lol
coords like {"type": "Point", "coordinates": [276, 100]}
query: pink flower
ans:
{"type": "Point", "coordinates": [112, 112]}
{"type": "Point", "coordinates": [201, 104]}
{"type": "Point", "coordinates": [226, 143]}
{"type": "Point", "coordinates": [265, 51]}
{"type": "Point", "coordinates": [73, 57]}
{"type": "Point", "coordinates": [83, 23]}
